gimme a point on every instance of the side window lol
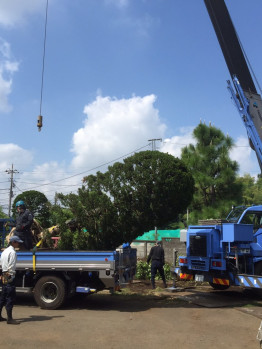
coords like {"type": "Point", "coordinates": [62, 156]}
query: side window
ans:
{"type": "Point", "coordinates": [257, 223]}
{"type": "Point", "coordinates": [248, 219]}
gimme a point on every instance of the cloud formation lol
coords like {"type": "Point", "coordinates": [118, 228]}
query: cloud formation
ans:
{"type": "Point", "coordinates": [114, 127]}
{"type": "Point", "coordinates": [245, 157]}
{"type": "Point", "coordinates": [175, 144]}
{"type": "Point", "coordinates": [13, 151]}
{"type": "Point", "coordinates": [8, 66]}
{"type": "Point", "coordinates": [14, 13]}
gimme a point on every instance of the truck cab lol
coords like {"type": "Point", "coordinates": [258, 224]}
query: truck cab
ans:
{"type": "Point", "coordinates": [224, 251]}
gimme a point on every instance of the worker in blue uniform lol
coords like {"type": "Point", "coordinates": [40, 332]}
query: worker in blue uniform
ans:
{"type": "Point", "coordinates": [157, 257]}
{"type": "Point", "coordinates": [8, 295]}
{"type": "Point", "coordinates": [23, 223]}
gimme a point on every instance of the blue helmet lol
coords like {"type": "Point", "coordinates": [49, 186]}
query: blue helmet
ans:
{"type": "Point", "coordinates": [20, 203]}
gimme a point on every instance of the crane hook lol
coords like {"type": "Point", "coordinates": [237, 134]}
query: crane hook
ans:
{"type": "Point", "coordinates": [39, 122]}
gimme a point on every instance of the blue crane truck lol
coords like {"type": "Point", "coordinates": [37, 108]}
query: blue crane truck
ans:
{"type": "Point", "coordinates": [53, 276]}
{"type": "Point", "coordinates": [225, 253]}
{"type": "Point", "coordinates": [229, 252]}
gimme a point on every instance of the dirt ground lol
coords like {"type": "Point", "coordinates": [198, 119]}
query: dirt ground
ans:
{"type": "Point", "coordinates": [139, 317]}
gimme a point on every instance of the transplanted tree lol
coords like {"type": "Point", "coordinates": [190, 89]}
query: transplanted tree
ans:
{"type": "Point", "coordinates": [213, 170]}
{"type": "Point", "coordinates": [148, 189]}
{"type": "Point", "coordinates": [96, 219]}
{"type": "Point", "coordinates": [37, 203]}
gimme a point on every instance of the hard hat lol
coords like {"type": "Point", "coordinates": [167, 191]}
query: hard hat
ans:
{"type": "Point", "coordinates": [15, 238]}
{"type": "Point", "coordinates": [20, 203]}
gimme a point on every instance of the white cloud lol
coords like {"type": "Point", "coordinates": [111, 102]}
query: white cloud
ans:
{"type": "Point", "coordinates": [174, 144]}
{"type": "Point", "coordinates": [8, 66]}
{"type": "Point", "coordinates": [12, 153]}
{"type": "Point", "coordinates": [243, 154]}
{"type": "Point", "coordinates": [49, 178]}
{"type": "Point", "coordinates": [115, 127]}
{"type": "Point", "coordinates": [14, 12]}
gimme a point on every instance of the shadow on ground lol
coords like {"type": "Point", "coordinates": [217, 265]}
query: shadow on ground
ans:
{"type": "Point", "coordinates": [140, 297]}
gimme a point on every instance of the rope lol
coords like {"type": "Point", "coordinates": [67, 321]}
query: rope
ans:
{"type": "Point", "coordinates": [43, 67]}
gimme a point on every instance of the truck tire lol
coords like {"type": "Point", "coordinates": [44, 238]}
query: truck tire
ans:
{"type": "Point", "coordinates": [219, 287]}
{"type": "Point", "coordinates": [50, 292]}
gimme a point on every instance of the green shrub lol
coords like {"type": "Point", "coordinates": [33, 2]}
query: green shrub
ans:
{"type": "Point", "coordinates": [143, 271]}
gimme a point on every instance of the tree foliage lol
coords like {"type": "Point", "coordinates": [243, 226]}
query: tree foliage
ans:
{"type": "Point", "coordinates": [148, 189]}
{"type": "Point", "coordinates": [2, 214]}
{"type": "Point", "coordinates": [213, 171]}
{"type": "Point", "coordinates": [37, 203]}
{"type": "Point", "coordinates": [251, 190]}
{"type": "Point", "coordinates": [96, 220]}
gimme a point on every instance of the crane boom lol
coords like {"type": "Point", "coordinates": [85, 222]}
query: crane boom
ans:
{"type": "Point", "coordinates": [243, 89]}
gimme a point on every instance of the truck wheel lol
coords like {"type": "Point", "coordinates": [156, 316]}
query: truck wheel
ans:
{"type": "Point", "coordinates": [218, 287]}
{"type": "Point", "coordinates": [50, 292]}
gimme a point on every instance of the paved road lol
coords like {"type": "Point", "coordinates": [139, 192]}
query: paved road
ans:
{"type": "Point", "coordinates": [155, 321]}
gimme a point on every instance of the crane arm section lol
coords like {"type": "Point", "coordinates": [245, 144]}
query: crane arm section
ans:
{"type": "Point", "coordinates": [243, 90]}
{"type": "Point", "coordinates": [229, 43]}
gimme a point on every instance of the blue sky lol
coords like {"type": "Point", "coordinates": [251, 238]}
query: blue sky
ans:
{"type": "Point", "coordinates": [117, 73]}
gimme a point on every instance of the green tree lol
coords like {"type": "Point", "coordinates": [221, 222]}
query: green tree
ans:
{"type": "Point", "coordinates": [148, 189]}
{"type": "Point", "coordinates": [37, 203]}
{"type": "Point", "coordinates": [252, 190]}
{"type": "Point", "coordinates": [213, 171]}
{"type": "Point", "coordinates": [96, 219]}
{"type": "Point", "coordinates": [248, 189]}
{"type": "Point", "coordinates": [2, 214]}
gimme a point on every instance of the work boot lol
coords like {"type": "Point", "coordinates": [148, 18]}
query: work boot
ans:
{"type": "Point", "coordinates": [165, 284]}
{"type": "Point", "coordinates": [10, 319]}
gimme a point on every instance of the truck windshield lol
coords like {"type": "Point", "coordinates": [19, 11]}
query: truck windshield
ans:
{"type": "Point", "coordinates": [250, 217]}
{"type": "Point", "coordinates": [235, 214]}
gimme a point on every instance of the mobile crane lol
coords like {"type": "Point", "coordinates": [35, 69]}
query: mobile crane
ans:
{"type": "Point", "coordinates": [230, 252]}
{"type": "Point", "coordinates": [243, 89]}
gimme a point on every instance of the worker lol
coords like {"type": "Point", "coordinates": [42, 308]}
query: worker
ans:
{"type": "Point", "coordinates": [157, 257]}
{"type": "Point", "coordinates": [23, 223]}
{"type": "Point", "coordinates": [8, 295]}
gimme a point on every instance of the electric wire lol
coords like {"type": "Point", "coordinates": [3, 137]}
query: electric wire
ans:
{"type": "Point", "coordinates": [90, 170]}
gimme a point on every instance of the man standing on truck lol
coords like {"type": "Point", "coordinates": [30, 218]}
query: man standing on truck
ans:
{"type": "Point", "coordinates": [157, 255]}
{"type": "Point", "coordinates": [23, 223]}
{"type": "Point", "coordinates": [8, 295]}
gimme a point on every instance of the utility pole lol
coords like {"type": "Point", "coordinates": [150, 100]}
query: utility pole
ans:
{"type": "Point", "coordinates": [11, 172]}
{"type": "Point", "coordinates": [153, 142]}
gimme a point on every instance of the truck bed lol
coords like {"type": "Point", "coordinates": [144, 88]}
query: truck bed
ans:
{"type": "Point", "coordinates": [67, 260]}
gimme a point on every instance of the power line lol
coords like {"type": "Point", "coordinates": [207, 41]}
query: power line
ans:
{"type": "Point", "coordinates": [153, 142]}
{"type": "Point", "coordinates": [90, 170]}
{"type": "Point", "coordinates": [234, 146]}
